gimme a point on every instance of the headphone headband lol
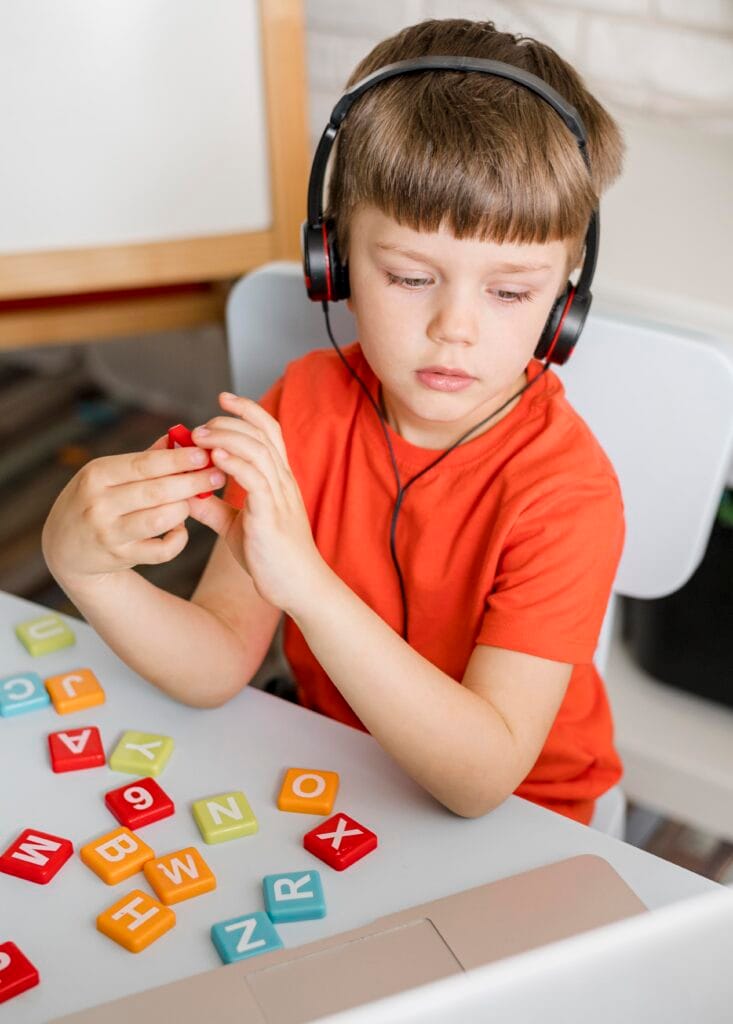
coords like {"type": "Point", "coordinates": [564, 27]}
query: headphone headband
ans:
{"type": "Point", "coordinates": [327, 277]}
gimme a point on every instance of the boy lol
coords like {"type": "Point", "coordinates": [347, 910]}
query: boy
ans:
{"type": "Point", "coordinates": [462, 203]}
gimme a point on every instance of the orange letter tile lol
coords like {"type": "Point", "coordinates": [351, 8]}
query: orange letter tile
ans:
{"type": "Point", "coordinates": [179, 876]}
{"type": "Point", "coordinates": [75, 691]}
{"type": "Point", "coordinates": [116, 856]}
{"type": "Point", "coordinates": [308, 791]}
{"type": "Point", "coordinates": [136, 920]}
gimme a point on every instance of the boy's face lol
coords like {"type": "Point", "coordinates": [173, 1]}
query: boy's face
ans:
{"type": "Point", "coordinates": [447, 302]}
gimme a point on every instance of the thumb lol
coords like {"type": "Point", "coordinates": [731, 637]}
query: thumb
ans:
{"type": "Point", "coordinates": [162, 442]}
{"type": "Point", "coordinates": [213, 512]}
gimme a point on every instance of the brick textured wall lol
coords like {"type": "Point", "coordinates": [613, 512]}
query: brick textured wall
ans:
{"type": "Point", "coordinates": [673, 58]}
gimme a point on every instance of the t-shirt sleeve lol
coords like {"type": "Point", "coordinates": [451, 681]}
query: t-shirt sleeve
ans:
{"type": "Point", "coordinates": [270, 402]}
{"type": "Point", "coordinates": [555, 573]}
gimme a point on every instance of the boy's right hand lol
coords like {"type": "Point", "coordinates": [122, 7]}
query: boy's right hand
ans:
{"type": "Point", "coordinates": [125, 510]}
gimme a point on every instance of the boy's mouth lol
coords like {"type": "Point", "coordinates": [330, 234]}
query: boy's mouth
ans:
{"type": "Point", "coordinates": [443, 379]}
{"type": "Point", "coordinates": [446, 371]}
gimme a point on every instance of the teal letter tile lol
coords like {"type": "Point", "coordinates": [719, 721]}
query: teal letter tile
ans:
{"type": "Point", "coordinates": [245, 936]}
{"type": "Point", "coordinates": [45, 634]}
{"type": "Point", "coordinates": [21, 693]}
{"type": "Point", "coordinates": [295, 896]}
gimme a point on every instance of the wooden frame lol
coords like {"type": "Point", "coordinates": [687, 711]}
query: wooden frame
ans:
{"type": "Point", "coordinates": [186, 278]}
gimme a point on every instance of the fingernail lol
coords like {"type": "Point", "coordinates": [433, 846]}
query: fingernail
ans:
{"type": "Point", "coordinates": [217, 478]}
{"type": "Point", "coordinates": [198, 458]}
{"type": "Point", "coordinates": [227, 394]}
{"type": "Point", "coordinates": [201, 431]}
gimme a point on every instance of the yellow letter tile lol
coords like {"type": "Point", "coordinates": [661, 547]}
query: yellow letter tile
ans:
{"type": "Point", "coordinates": [136, 920]}
{"type": "Point", "coordinates": [308, 791]}
{"type": "Point", "coordinates": [45, 634]}
{"type": "Point", "coordinates": [222, 817]}
{"type": "Point", "coordinates": [116, 856]}
{"type": "Point", "coordinates": [179, 876]}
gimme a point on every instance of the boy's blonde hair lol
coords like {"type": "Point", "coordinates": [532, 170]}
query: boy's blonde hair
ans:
{"type": "Point", "coordinates": [483, 154]}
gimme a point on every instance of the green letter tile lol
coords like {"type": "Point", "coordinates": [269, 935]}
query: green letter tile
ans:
{"type": "Point", "coordinates": [226, 816]}
{"type": "Point", "coordinates": [45, 634]}
{"type": "Point", "coordinates": [141, 753]}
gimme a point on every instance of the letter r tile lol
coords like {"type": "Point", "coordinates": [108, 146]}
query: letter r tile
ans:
{"type": "Point", "coordinates": [141, 753]}
{"type": "Point", "coordinates": [308, 791]}
{"type": "Point", "coordinates": [116, 856]}
{"type": "Point", "coordinates": [136, 920]}
{"type": "Point", "coordinates": [340, 841]}
{"type": "Point", "coordinates": [295, 896]}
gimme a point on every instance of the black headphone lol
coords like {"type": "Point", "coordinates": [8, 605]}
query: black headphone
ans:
{"type": "Point", "coordinates": [327, 278]}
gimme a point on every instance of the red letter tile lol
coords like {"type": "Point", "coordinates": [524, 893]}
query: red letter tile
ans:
{"type": "Point", "coordinates": [340, 841]}
{"type": "Point", "coordinates": [139, 803]}
{"type": "Point", "coordinates": [74, 749]}
{"type": "Point", "coordinates": [17, 973]}
{"type": "Point", "coordinates": [180, 437]}
{"type": "Point", "coordinates": [36, 856]}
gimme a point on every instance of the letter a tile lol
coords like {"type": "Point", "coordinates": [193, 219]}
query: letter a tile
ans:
{"type": "Point", "coordinates": [297, 896]}
{"type": "Point", "coordinates": [139, 803]}
{"type": "Point", "coordinates": [116, 856]}
{"type": "Point", "coordinates": [36, 856]}
{"type": "Point", "coordinates": [179, 876]}
{"type": "Point", "coordinates": [17, 973]}
{"type": "Point", "coordinates": [340, 841]}
{"type": "Point", "coordinates": [136, 920]}
{"type": "Point", "coordinates": [141, 753]}
{"type": "Point", "coordinates": [244, 936]}
{"type": "Point", "coordinates": [223, 817]}
{"type": "Point", "coordinates": [45, 634]}
{"type": "Point", "coordinates": [75, 691]}
{"type": "Point", "coordinates": [75, 749]}
{"type": "Point", "coordinates": [21, 693]}
{"type": "Point", "coordinates": [308, 791]}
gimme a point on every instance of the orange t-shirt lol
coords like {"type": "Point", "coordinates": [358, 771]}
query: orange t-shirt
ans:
{"type": "Point", "coordinates": [512, 540]}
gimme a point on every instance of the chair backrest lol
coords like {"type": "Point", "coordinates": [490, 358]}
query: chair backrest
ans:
{"type": "Point", "coordinates": [659, 400]}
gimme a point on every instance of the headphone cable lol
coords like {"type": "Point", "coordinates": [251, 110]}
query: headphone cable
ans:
{"type": "Point", "coordinates": [400, 489]}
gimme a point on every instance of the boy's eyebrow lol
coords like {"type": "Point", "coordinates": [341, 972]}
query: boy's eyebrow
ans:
{"type": "Point", "coordinates": [504, 268]}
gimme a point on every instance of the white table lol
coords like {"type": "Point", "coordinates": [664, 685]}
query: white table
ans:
{"type": "Point", "coordinates": [424, 851]}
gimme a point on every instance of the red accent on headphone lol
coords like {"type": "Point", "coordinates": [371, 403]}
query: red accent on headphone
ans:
{"type": "Point", "coordinates": [559, 326]}
{"type": "Point", "coordinates": [326, 256]}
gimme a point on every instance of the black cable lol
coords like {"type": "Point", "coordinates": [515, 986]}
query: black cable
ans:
{"type": "Point", "coordinates": [400, 489]}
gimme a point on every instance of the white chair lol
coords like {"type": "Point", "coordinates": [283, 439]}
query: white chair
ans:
{"type": "Point", "coordinates": [659, 401]}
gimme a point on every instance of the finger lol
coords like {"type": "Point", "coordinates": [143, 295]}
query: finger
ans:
{"type": "Point", "coordinates": [157, 550]}
{"type": "Point", "coordinates": [213, 512]}
{"type": "Point", "coordinates": [111, 470]}
{"type": "Point", "coordinates": [162, 442]}
{"type": "Point", "coordinates": [252, 412]}
{"type": "Point", "coordinates": [147, 523]}
{"type": "Point", "coordinates": [149, 494]}
{"type": "Point", "coordinates": [256, 450]}
{"type": "Point", "coordinates": [260, 497]}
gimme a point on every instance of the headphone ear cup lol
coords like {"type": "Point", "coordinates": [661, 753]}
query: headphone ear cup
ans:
{"type": "Point", "coordinates": [326, 277]}
{"type": "Point", "coordinates": [563, 326]}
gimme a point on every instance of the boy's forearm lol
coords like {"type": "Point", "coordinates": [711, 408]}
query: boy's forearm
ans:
{"type": "Point", "coordinates": [447, 738]}
{"type": "Point", "coordinates": [180, 647]}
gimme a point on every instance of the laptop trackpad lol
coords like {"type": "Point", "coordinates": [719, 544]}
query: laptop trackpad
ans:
{"type": "Point", "coordinates": [353, 973]}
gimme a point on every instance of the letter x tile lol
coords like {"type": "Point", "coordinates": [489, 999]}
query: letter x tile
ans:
{"type": "Point", "coordinates": [340, 841]}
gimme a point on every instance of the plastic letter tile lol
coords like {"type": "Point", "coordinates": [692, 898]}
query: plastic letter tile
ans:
{"type": "Point", "coordinates": [75, 691]}
{"type": "Point", "coordinates": [308, 790]}
{"type": "Point", "coordinates": [116, 856]}
{"type": "Point", "coordinates": [45, 634]}
{"type": "Point", "coordinates": [139, 803]}
{"type": "Point", "coordinates": [21, 693]}
{"type": "Point", "coordinates": [179, 876]}
{"type": "Point", "coordinates": [36, 856]}
{"type": "Point", "coordinates": [245, 936]}
{"type": "Point", "coordinates": [141, 753]}
{"type": "Point", "coordinates": [17, 973]}
{"type": "Point", "coordinates": [180, 437]}
{"type": "Point", "coordinates": [74, 749]}
{"type": "Point", "coordinates": [222, 817]}
{"type": "Point", "coordinates": [340, 841]}
{"type": "Point", "coordinates": [136, 920]}
{"type": "Point", "coordinates": [297, 896]}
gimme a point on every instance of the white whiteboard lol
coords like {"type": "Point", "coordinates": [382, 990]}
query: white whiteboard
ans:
{"type": "Point", "coordinates": [130, 121]}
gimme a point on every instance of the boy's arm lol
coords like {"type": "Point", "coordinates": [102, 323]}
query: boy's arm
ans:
{"type": "Point", "coordinates": [184, 648]}
{"type": "Point", "coordinates": [469, 745]}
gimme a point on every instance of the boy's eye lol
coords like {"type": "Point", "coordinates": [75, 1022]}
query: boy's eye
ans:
{"type": "Point", "coordinates": [507, 297]}
{"type": "Point", "coordinates": [408, 282]}
{"type": "Point", "coordinates": [513, 296]}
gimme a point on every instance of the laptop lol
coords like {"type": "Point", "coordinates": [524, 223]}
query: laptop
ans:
{"type": "Point", "coordinates": [426, 943]}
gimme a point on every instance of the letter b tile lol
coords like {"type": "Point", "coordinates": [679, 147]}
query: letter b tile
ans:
{"type": "Point", "coordinates": [297, 896]}
{"type": "Point", "coordinates": [245, 936]}
{"type": "Point", "coordinates": [141, 753]}
{"type": "Point", "coordinates": [116, 856]}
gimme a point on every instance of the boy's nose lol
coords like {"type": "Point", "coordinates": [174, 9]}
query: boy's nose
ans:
{"type": "Point", "coordinates": [453, 321]}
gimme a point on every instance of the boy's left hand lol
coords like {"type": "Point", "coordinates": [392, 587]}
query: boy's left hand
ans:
{"type": "Point", "coordinates": [273, 541]}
